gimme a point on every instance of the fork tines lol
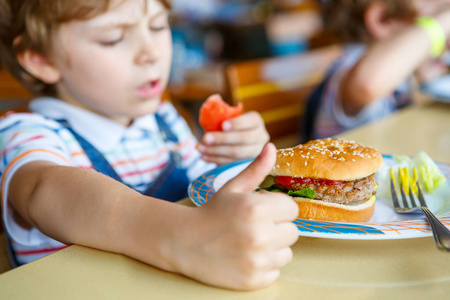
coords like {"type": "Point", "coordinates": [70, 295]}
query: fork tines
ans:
{"type": "Point", "coordinates": [421, 197]}
{"type": "Point", "coordinates": [408, 206]}
{"type": "Point", "coordinates": [394, 191]}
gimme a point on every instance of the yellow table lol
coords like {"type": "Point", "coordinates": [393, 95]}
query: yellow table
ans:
{"type": "Point", "coordinates": [321, 268]}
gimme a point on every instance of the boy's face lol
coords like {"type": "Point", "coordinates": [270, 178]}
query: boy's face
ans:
{"type": "Point", "coordinates": [116, 64]}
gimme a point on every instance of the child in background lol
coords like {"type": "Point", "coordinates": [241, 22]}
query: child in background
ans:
{"type": "Point", "coordinates": [390, 41]}
{"type": "Point", "coordinates": [101, 68]}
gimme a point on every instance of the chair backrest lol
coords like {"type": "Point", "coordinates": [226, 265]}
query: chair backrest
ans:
{"type": "Point", "coordinates": [10, 88]}
{"type": "Point", "coordinates": [13, 95]}
{"type": "Point", "coordinates": [278, 87]}
{"type": "Point", "coordinates": [5, 263]}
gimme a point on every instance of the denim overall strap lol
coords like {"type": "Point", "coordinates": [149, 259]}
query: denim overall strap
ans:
{"type": "Point", "coordinates": [11, 254]}
{"type": "Point", "coordinates": [97, 159]}
{"type": "Point", "coordinates": [172, 183]}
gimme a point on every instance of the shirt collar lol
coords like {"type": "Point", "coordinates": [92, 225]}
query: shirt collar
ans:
{"type": "Point", "coordinates": [103, 133]}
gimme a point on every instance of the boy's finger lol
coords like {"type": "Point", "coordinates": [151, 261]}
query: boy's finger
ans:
{"type": "Point", "coordinates": [246, 121]}
{"type": "Point", "coordinates": [232, 137]}
{"type": "Point", "coordinates": [232, 151]}
{"type": "Point", "coordinates": [249, 179]}
{"type": "Point", "coordinates": [280, 208]}
{"type": "Point", "coordinates": [219, 160]}
{"type": "Point", "coordinates": [286, 234]}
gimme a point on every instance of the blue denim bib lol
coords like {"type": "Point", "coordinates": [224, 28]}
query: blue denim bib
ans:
{"type": "Point", "coordinates": [171, 184]}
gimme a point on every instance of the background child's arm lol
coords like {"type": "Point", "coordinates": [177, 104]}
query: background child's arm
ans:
{"type": "Point", "coordinates": [387, 64]}
{"type": "Point", "coordinates": [238, 240]}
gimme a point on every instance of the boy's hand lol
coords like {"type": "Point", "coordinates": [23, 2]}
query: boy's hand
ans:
{"type": "Point", "coordinates": [243, 238]}
{"type": "Point", "coordinates": [242, 137]}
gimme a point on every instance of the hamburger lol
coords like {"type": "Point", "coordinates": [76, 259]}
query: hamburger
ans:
{"type": "Point", "coordinates": [329, 179]}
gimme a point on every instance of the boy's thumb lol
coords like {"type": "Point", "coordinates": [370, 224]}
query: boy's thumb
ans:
{"type": "Point", "coordinates": [250, 178]}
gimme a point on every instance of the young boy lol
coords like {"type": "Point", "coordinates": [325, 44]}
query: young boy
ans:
{"type": "Point", "coordinates": [389, 41]}
{"type": "Point", "coordinates": [102, 67]}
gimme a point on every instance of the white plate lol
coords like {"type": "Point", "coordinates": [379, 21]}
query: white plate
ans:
{"type": "Point", "coordinates": [385, 223]}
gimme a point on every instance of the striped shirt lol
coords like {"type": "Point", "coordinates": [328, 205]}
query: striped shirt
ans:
{"type": "Point", "coordinates": [137, 153]}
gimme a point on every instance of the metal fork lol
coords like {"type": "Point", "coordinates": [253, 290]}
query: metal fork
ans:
{"type": "Point", "coordinates": [440, 233]}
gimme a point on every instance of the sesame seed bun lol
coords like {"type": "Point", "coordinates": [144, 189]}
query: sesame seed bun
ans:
{"type": "Point", "coordinates": [332, 159]}
{"type": "Point", "coordinates": [325, 211]}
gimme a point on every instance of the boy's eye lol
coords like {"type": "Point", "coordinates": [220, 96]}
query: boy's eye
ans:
{"type": "Point", "coordinates": [111, 43]}
{"type": "Point", "coordinates": [158, 28]}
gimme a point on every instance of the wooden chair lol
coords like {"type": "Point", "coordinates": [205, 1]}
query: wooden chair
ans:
{"type": "Point", "coordinates": [5, 264]}
{"type": "Point", "coordinates": [13, 95]}
{"type": "Point", "coordinates": [11, 89]}
{"type": "Point", "coordinates": [278, 87]}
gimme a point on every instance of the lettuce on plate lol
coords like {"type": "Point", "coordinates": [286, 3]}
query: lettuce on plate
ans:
{"type": "Point", "coordinates": [430, 176]}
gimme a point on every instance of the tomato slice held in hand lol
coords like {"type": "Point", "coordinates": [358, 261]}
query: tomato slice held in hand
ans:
{"type": "Point", "coordinates": [214, 111]}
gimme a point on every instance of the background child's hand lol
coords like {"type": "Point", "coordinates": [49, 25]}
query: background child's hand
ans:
{"type": "Point", "coordinates": [242, 137]}
{"type": "Point", "coordinates": [243, 238]}
{"type": "Point", "coordinates": [431, 69]}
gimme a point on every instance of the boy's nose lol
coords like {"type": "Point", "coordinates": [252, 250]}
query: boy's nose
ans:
{"type": "Point", "coordinates": [147, 52]}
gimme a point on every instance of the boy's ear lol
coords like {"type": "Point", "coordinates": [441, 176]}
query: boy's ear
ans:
{"type": "Point", "coordinates": [38, 66]}
{"type": "Point", "coordinates": [376, 22]}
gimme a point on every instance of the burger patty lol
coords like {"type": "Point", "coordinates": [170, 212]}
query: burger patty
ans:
{"type": "Point", "coordinates": [349, 192]}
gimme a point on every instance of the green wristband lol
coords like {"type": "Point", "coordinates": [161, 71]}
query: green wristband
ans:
{"type": "Point", "coordinates": [436, 34]}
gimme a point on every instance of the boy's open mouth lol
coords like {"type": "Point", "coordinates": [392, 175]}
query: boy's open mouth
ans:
{"type": "Point", "coordinates": [150, 89]}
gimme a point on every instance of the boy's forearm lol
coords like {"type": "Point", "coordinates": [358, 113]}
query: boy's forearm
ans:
{"type": "Point", "coordinates": [153, 237]}
{"type": "Point", "coordinates": [69, 204]}
{"type": "Point", "coordinates": [78, 206]}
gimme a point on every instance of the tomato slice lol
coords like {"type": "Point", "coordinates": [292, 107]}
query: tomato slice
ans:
{"type": "Point", "coordinates": [214, 111]}
{"type": "Point", "coordinates": [288, 181]}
